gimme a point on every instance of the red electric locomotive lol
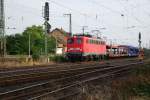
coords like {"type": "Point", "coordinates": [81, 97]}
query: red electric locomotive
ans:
{"type": "Point", "coordinates": [85, 47]}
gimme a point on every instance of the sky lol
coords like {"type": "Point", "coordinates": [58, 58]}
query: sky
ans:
{"type": "Point", "coordinates": [119, 21]}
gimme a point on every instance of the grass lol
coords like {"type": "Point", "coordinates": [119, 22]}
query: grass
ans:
{"type": "Point", "coordinates": [142, 87]}
{"type": "Point", "coordinates": [137, 84]}
{"type": "Point", "coordinates": [147, 53]}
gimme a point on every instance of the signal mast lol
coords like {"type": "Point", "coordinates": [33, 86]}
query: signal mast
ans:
{"type": "Point", "coordinates": [47, 26]}
{"type": "Point", "coordinates": [2, 30]}
{"type": "Point", "coordinates": [141, 51]}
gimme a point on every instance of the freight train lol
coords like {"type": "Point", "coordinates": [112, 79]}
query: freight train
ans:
{"type": "Point", "coordinates": [87, 47]}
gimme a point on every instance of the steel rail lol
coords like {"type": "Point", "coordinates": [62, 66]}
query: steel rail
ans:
{"type": "Point", "coordinates": [16, 78]}
{"type": "Point", "coordinates": [6, 74]}
{"type": "Point", "coordinates": [38, 85]}
{"type": "Point", "coordinates": [78, 83]}
{"type": "Point", "coordinates": [44, 84]}
{"type": "Point", "coordinates": [45, 67]}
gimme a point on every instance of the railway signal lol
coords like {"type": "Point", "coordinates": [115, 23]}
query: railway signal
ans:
{"type": "Point", "coordinates": [46, 11]}
{"type": "Point", "coordinates": [47, 26]}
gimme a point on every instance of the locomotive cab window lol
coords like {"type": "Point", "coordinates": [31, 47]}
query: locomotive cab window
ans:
{"type": "Point", "coordinates": [79, 40]}
{"type": "Point", "coordinates": [70, 41]}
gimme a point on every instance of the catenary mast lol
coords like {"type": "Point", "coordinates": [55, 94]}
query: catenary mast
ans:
{"type": "Point", "coordinates": [2, 29]}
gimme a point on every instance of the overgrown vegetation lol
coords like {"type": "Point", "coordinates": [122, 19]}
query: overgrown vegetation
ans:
{"type": "Point", "coordinates": [142, 88]}
{"type": "Point", "coordinates": [136, 85]}
{"type": "Point", "coordinates": [147, 53]}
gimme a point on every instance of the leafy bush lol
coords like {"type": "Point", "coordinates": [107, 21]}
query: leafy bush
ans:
{"type": "Point", "coordinates": [36, 56]}
{"type": "Point", "coordinates": [147, 53]}
{"type": "Point", "coordinates": [58, 58]}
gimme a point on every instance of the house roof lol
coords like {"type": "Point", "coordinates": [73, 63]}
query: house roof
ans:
{"type": "Point", "coordinates": [60, 35]}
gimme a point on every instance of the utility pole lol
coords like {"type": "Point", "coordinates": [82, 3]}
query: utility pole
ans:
{"type": "Point", "coordinates": [22, 20]}
{"type": "Point", "coordinates": [70, 23]}
{"type": "Point", "coordinates": [2, 30]}
{"type": "Point", "coordinates": [149, 44]}
{"type": "Point", "coordinates": [47, 26]}
{"type": "Point", "coordinates": [29, 45]}
{"type": "Point", "coordinates": [83, 29]}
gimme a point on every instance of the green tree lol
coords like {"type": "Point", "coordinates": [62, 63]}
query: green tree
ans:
{"type": "Point", "coordinates": [14, 44]}
{"type": "Point", "coordinates": [19, 43]}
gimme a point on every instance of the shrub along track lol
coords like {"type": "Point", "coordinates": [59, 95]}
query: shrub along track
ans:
{"type": "Point", "coordinates": [62, 79]}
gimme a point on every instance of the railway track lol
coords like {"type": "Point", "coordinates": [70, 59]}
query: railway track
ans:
{"type": "Point", "coordinates": [66, 90]}
{"type": "Point", "coordinates": [60, 65]}
{"type": "Point", "coordinates": [27, 69]}
{"type": "Point", "coordinates": [29, 75]}
{"type": "Point", "coordinates": [74, 89]}
{"type": "Point", "coordinates": [74, 77]}
{"type": "Point", "coordinates": [17, 78]}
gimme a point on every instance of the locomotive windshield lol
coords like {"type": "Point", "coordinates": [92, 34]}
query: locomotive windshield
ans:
{"type": "Point", "coordinates": [79, 40]}
{"type": "Point", "coordinates": [70, 41]}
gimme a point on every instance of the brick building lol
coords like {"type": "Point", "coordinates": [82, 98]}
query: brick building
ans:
{"type": "Point", "coordinates": [61, 40]}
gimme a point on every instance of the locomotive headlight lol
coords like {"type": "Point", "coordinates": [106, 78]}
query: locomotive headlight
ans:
{"type": "Point", "coordinates": [80, 49]}
{"type": "Point", "coordinates": [74, 49]}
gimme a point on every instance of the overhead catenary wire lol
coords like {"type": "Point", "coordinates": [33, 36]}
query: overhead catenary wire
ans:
{"type": "Point", "coordinates": [87, 15]}
{"type": "Point", "coordinates": [73, 10]}
{"type": "Point", "coordinates": [131, 14]}
{"type": "Point", "coordinates": [66, 7]}
{"type": "Point", "coordinates": [103, 6]}
{"type": "Point", "coordinates": [27, 9]}
{"type": "Point", "coordinates": [84, 14]}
